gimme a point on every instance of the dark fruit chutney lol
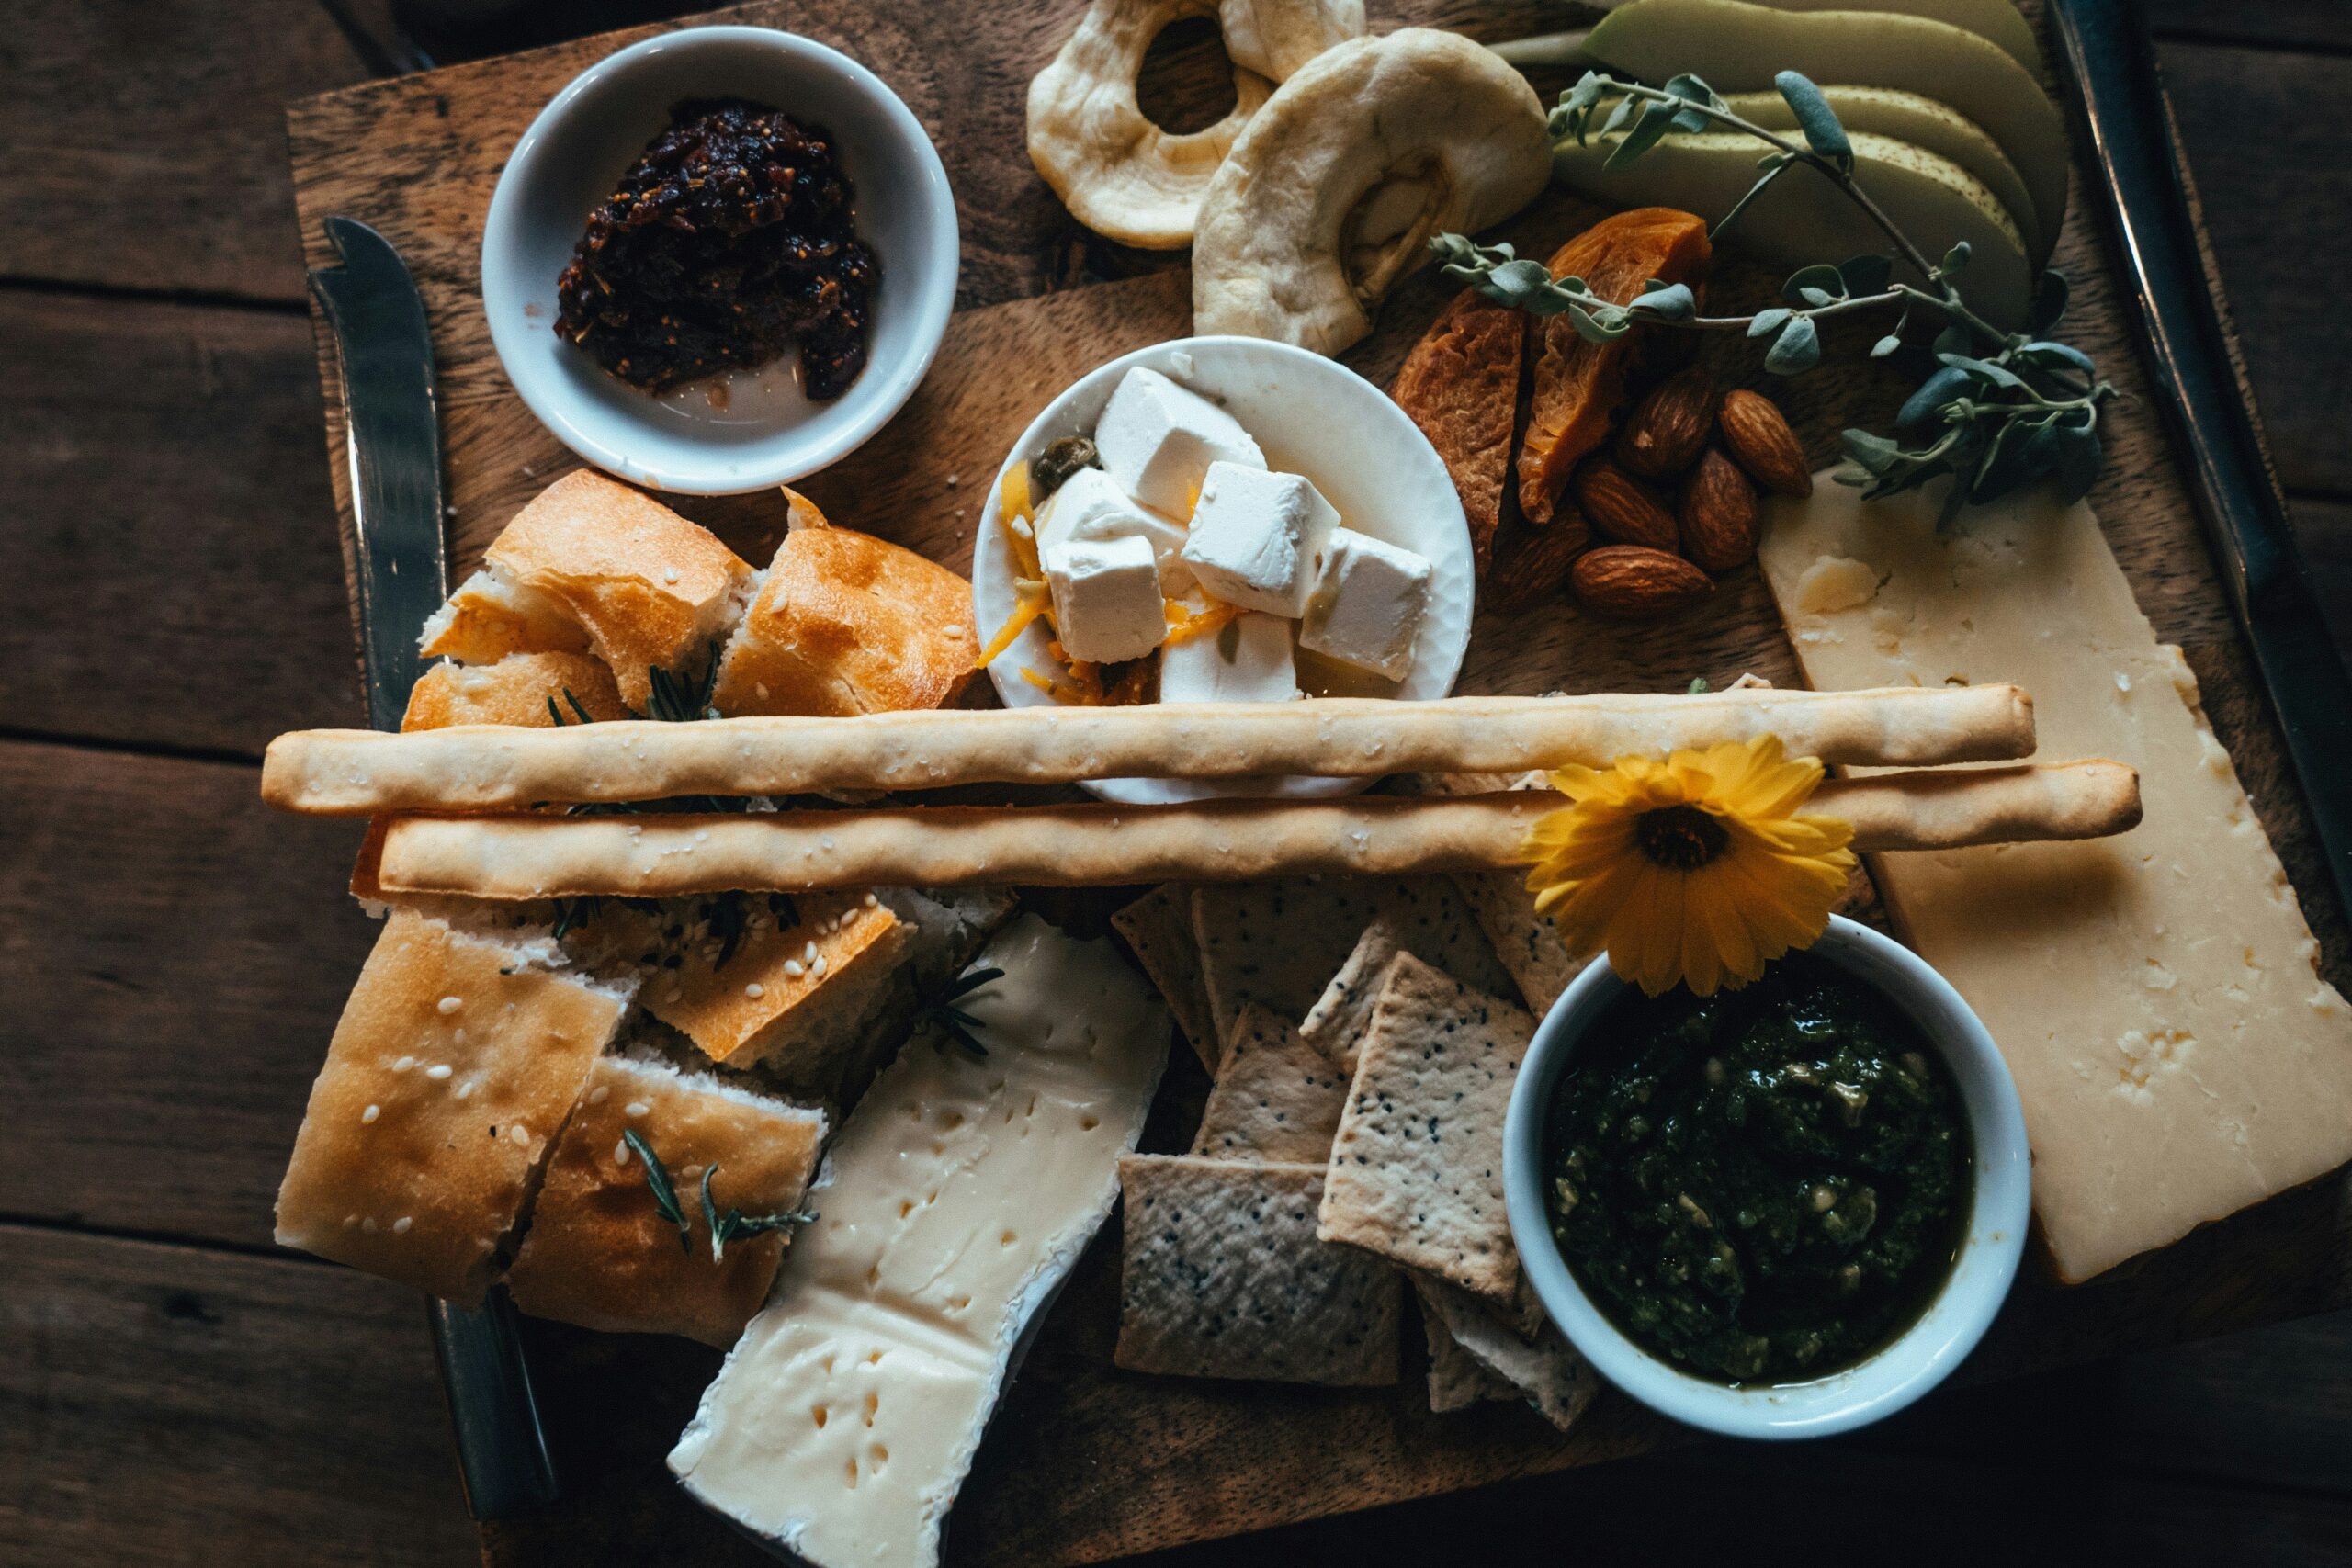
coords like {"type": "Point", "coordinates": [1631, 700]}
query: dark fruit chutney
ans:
{"type": "Point", "coordinates": [729, 240]}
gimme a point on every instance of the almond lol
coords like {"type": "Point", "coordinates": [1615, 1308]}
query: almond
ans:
{"type": "Point", "coordinates": [1530, 563]}
{"type": "Point", "coordinates": [1718, 513]}
{"type": "Point", "coordinates": [1631, 583]}
{"type": "Point", "coordinates": [1622, 509]}
{"type": "Point", "coordinates": [1760, 437]}
{"type": "Point", "coordinates": [1667, 427]}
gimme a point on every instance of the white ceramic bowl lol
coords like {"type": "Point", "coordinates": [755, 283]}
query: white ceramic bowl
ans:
{"type": "Point", "coordinates": [1312, 416]}
{"type": "Point", "coordinates": [768, 434]}
{"type": "Point", "coordinates": [1900, 1372]}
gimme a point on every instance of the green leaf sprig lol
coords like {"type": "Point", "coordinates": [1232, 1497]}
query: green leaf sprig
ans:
{"type": "Point", "coordinates": [2001, 409]}
{"type": "Point", "coordinates": [733, 1226]}
{"type": "Point", "coordinates": [954, 1021]}
{"type": "Point", "coordinates": [675, 697]}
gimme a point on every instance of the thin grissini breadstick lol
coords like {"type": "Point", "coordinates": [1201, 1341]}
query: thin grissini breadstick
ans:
{"type": "Point", "coordinates": [506, 768]}
{"type": "Point", "coordinates": [1099, 845]}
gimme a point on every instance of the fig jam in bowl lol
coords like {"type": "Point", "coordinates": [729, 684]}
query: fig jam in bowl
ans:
{"type": "Point", "coordinates": [719, 260]}
{"type": "Point", "coordinates": [1782, 1211]}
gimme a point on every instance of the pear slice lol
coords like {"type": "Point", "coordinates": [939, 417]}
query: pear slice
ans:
{"type": "Point", "coordinates": [1804, 217]}
{"type": "Point", "coordinates": [1995, 21]}
{"type": "Point", "coordinates": [1929, 126]}
{"type": "Point", "coordinates": [1738, 48]}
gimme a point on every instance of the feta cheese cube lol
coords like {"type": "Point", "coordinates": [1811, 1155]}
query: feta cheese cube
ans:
{"type": "Point", "coordinates": [1247, 659]}
{"type": "Point", "coordinates": [1090, 507]}
{"type": "Point", "coordinates": [1367, 604]}
{"type": "Point", "coordinates": [1107, 598]}
{"type": "Point", "coordinates": [1258, 538]}
{"type": "Point", "coordinates": [1157, 440]}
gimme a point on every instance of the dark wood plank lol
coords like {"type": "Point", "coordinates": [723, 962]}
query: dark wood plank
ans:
{"type": "Point", "coordinates": [142, 141]}
{"type": "Point", "coordinates": [2323, 529]}
{"type": "Point", "coordinates": [164, 1404]}
{"type": "Point", "coordinates": [2282, 24]}
{"type": "Point", "coordinates": [169, 573]}
{"type": "Point", "coordinates": [173, 959]}
{"type": "Point", "coordinates": [2277, 179]}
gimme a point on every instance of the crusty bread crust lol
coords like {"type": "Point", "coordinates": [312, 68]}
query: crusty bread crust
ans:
{"type": "Point", "coordinates": [600, 1255]}
{"type": "Point", "coordinates": [849, 624]}
{"type": "Point", "coordinates": [515, 690]}
{"type": "Point", "coordinates": [650, 588]}
{"type": "Point", "coordinates": [1217, 841]}
{"type": "Point", "coordinates": [346, 771]}
{"type": "Point", "coordinates": [451, 1070]}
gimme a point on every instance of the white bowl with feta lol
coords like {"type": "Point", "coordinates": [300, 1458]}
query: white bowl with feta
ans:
{"type": "Point", "coordinates": [1261, 523]}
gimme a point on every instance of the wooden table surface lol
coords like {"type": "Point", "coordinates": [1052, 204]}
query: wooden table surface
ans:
{"type": "Point", "coordinates": [174, 1389]}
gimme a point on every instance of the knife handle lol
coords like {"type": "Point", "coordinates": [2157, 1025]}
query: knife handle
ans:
{"type": "Point", "coordinates": [2127, 121]}
{"type": "Point", "coordinates": [502, 1454]}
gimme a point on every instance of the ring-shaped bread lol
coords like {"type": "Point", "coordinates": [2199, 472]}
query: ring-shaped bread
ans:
{"type": "Point", "coordinates": [1333, 190]}
{"type": "Point", "coordinates": [1120, 174]}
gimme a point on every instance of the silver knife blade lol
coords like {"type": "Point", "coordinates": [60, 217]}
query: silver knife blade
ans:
{"type": "Point", "coordinates": [2112, 77]}
{"type": "Point", "coordinates": [399, 567]}
{"type": "Point", "coordinates": [392, 445]}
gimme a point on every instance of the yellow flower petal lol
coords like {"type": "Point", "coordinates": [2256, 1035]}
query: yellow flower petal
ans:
{"type": "Point", "coordinates": [1710, 926]}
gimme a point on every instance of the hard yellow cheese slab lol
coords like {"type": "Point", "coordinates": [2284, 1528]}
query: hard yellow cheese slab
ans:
{"type": "Point", "coordinates": [957, 1197]}
{"type": "Point", "coordinates": [2156, 994]}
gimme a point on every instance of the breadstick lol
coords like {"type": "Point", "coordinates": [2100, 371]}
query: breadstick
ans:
{"type": "Point", "coordinates": [1096, 845]}
{"type": "Point", "coordinates": [506, 768]}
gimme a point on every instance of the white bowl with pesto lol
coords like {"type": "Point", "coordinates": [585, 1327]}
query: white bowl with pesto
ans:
{"type": "Point", "coordinates": [1916, 1359]}
{"type": "Point", "coordinates": [1312, 416]}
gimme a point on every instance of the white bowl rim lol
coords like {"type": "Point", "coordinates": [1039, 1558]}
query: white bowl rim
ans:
{"type": "Point", "coordinates": [1898, 1372]}
{"type": "Point", "coordinates": [1153, 791]}
{"type": "Point", "coordinates": [884, 389]}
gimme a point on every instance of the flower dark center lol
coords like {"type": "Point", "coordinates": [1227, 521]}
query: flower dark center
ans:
{"type": "Point", "coordinates": [1680, 837]}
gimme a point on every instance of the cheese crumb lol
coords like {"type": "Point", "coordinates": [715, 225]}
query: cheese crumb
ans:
{"type": "Point", "coordinates": [1834, 584]}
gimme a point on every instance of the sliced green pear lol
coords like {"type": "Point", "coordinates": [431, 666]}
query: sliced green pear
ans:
{"type": "Point", "coordinates": [1804, 217]}
{"type": "Point", "coordinates": [1738, 48]}
{"type": "Point", "coordinates": [1925, 123]}
{"type": "Point", "coordinates": [1995, 21]}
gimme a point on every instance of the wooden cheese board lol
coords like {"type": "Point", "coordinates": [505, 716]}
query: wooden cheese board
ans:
{"type": "Point", "coordinates": [1083, 1463]}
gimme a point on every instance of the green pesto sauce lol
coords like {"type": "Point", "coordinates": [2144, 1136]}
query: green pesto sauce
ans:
{"type": "Point", "coordinates": [1763, 1185]}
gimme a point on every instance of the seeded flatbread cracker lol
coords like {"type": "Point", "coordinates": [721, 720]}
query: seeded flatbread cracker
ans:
{"type": "Point", "coordinates": [1546, 1370]}
{"type": "Point", "coordinates": [1426, 919]}
{"type": "Point", "coordinates": [1223, 1278]}
{"type": "Point", "coordinates": [1457, 1379]}
{"type": "Point", "coordinates": [1528, 944]}
{"type": "Point", "coordinates": [1417, 1169]}
{"type": "Point", "coordinates": [1157, 929]}
{"type": "Point", "coordinates": [1279, 942]}
{"type": "Point", "coordinates": [1277, 1100]}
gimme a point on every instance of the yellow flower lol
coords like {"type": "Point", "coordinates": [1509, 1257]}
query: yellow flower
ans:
{"type": "Point", "coordinates": [1698, 869]}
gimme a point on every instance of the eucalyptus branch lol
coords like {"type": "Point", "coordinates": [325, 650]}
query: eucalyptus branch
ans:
{"type": "Point", "coordinates": [2003, 407]}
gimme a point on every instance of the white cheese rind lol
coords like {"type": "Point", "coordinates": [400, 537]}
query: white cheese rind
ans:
{"type": "Point", "coordinates": [1258, 539]}
{"type": "Point", "coordinates": [1367, 604]}
{"type": "Point", "coordinates": [1107, 604]}
{"type": "Point", "coordinates": [1158, 439]}
{"type": "Point", "coordinates": [1248, 659]}
{"type": "Point", "coordinates": [955, 1201]}
{"type": "Point", "coordinates": [1090, 507]}
{"type": "Point", "coordinates": [2157, 994]}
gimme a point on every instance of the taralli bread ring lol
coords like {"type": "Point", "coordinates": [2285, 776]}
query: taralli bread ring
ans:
{"type": "Point", "coordinates": [1332, 191]}
{"type": "Point", "coordinates": [1120, 174]}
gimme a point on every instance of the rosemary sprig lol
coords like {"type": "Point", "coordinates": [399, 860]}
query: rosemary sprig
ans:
{"type": "Point", "coordinates": [2001, 410]}
{"type": "Point", "coordinates": [735, 1224]}
{"type": "Point", "coordinates": [665, 1195]}
{"type": "Point", "coordinates": [954, 1021]}
{"type": "Point", "coordinates": [675, 697]}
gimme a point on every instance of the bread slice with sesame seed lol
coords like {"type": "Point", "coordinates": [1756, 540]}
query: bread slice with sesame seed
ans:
{"type": "Point", "coordinates": [600, 1253]}
{"type": "Point", "coordinates": [456, 1061]}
